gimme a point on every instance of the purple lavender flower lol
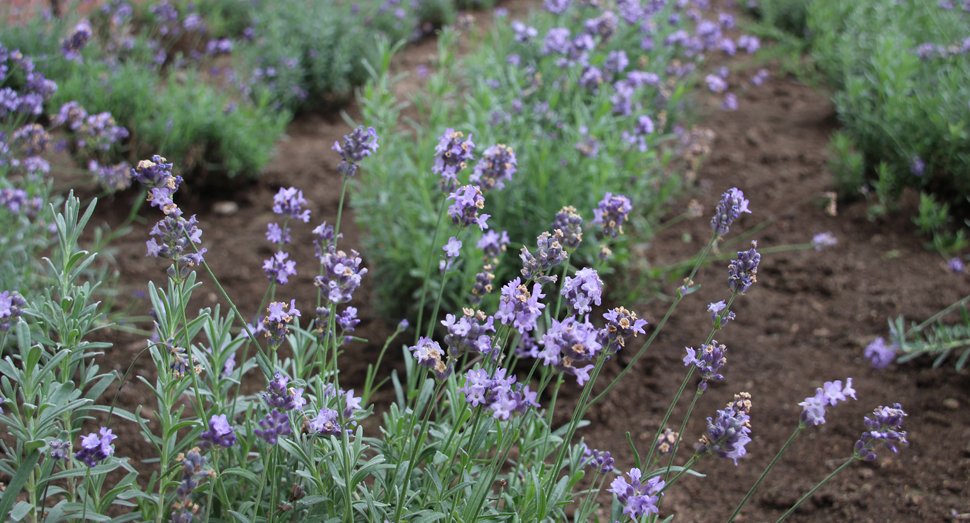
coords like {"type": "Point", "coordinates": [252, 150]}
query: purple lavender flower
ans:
{"type": "Point", "coordinates": [112, 177]}
{"type": "Point", "coordinates": [743, 272]}
{"type": "Point", "coordinates": [715, 310]}
{"type": "Point", "coordinates": [621, 324]}
{"type": "Point", "coordinates": [497, 166]}
{"type": "Point", "coordinates": [731, 206]}
{"type": "Point", "coordinates": [464, 212]}
{"type": "Point", "coordinates": [749, 43]}
{"type": "Point", "coordinates": [483, 283]}
{"type": "Point", "coordinates": [346, 320]}
{"type": "Point", "coordinates": [519, 307]}
{"type": "Point", "coordinates": [341, 276]}
{"type": "Point", "coordinates": [582, 291]}
{"type": "Point", "coordinates": [72, 45]}
{"type": "Point", "coordinates": [556, 7]}
{"type": "Point", "coordinates": [638, 498]}
{"type": "Point", "coordinates": [591, 78]}
{"type": "Point", "coordinates": [708, 362]}
{"type": "Point", "coordinates": [290, 202]}
{"type": "Point", "coordinates": [452, 248]}
{"type": "Point", "coordinates": [493, 244]}
{"type": "Point", "coordinates": [603, 25]}
{"type": "Point", "coordinates": [177, 236]}
{"type": "Point", "coordinates": [666, 441]}
{"type": "Point", "coordinates": [917, 166]}
{"type": "Point", "coordinates": [12, 306]}
{"type": "Point", "coordinates": [879, 354]}
{"type": "Point", "coordinates": [71, 114]}
{"type": "Point", "coordinates": [884, 427]}
{"type": "Point", "coordinates": [359, 145]}
{"type": "Point", "coordinates": [760, 77]}
{"type": "Point", "coordinates": [469, 334]}
{"type": "Point", "coordinates": [549, 253]}
{"type": "Point", "coordinates": [278, 396]}
{"type": "Point", "coordinates": [601, 461]}
{"type": "Point", "coordinates": [218, 47]}
{"type": "Point", "coordinates": [95, 448]}
{"type": "Point", "coordinates": [276, 234]}
{"type": "Point", "coordinates": [60, 449]}
{"type": "Point", "coordinates": [611, 213]}
{"type": "Point", "coordinates": [17, 201]}
{"type": "Point", "coordinates": [823, 240]}
{"type": "Point", "coordinates": [556, 41]}
{"type": "Point", "coordinates": [832, 392]}
{"type": "Point", "coordinates": [278, 319]}
{"type": "Point", "coordinates": [325, 240]}
{"type": "Point", "coordinates": [429, 354]}
{"type": "Point", "coordinates": [567, 226]}
{"type": "Point", "coordinates": [453, 153]}
{"type": "Point", "coordinates": [500, 394]}
{"type": "Point", "coordinates": [730, 102]}
{"type": "Point", "coordinates": [955, 264]}
{"type": "Point", "coordinates": [278, 269]}
{"type": "Point", "coordinates": [193, 465]}
{"type": "Point", "coordinates": [220, 433]}
{"type": "Point", "coordinates": [589, 147]}
{"type": "Point", "coordinates": [569, 342]}
{"type": "Point", "coordinates": [527, 347]}
{"type": "Point", "coordinates": [715, 83]}
{"type": "Point", "coordinates": [274, 425]}
{"type": "Point", "coordinates": [31, 138]}
{"type": "Point", "coordinates": [523, 33]}
{"type": "Point", "coordinates": [727, 433]}
{"type": "Point", "coordinates": [326, 423]}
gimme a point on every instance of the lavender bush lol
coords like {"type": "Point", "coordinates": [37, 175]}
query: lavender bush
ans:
{"type": "Point", "coordinates": [467, 403]}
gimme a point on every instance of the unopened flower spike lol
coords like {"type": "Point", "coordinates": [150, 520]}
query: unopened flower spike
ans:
{"type": "Point", "coordinates": [732, 204]}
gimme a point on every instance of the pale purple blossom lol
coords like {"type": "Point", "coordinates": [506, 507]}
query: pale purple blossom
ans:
{"type": "Point", "coordinates": [880, 354]}
{"type": "Point", "coordinates": [289, 202]}
{"type": "Point", "coordinates": [279, 269]}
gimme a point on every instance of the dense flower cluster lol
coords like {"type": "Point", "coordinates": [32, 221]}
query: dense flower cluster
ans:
{"type": "Point", "coordinates": [549, 253]}
{"type": "Point", "coordinates": [32, 139]}
{"type": "Point", "coordinates": [621, 324]}
{"type": "Point", "coordinates": [731, 206]}
{"type": "Point", "coordinates": [360, 144]}
{"type": "Point", "coordinates": [464, 212]}
{"type": "Point", "coordinates": [59, 449]}
{"type": "Point", "coordinates": [498, 393]}
{"type": "Point", "coordinates": [469, 334]}
{"type": "Point", "coordinates": [497, 166]}
{"type": "Point", "coordinates": [113, 178]}
{"type": "Point", "coordinates": [274, 425]}
{"type": "Point", "coordinates": [290, 202]}
{"type": "Point", "coordinates": [569, 223]}
{"type": "Point", "coordinates": [17, 201]}
{"type": "Point", "coordinates": [743, 272]}
{"type": "Point", "coordinates": [193, 465]}
{"type": "Point", "coordinates": [601, 461]}
{"type": "Point", "coordinates": [341, 276]}
{"type": "Point", "coordinates": [611, 213]}
{"type": "Point", "coordinates": [156, 175]}
{"type": "Point", "coordinates": [96, 448]}
{"type": "Point", "coordinates": [177, 235]}
{"type": "Point", "coordinates": [12, 306]}
{"type": "Point", "coordinates": [830, 393]}
{"type": "Point", "coordinates": [278, 268]}
{"type": "Point", "coordinates": [72, 45]}
{"type": "Point", "coordinates": [276, 323]}
{"type": "Point", "coordinates": [520, 307]}
{"type": "Point", "coordinates": [708, 362]}
{"type": "Point", "coordinates": [347, 321]}
{"type": "Point", "coordinates": [582, 291]}
{"type": "Point", "coordinates": [569, 342]}
{"type": "Point", "coordinates": [727, 433]}
{"type": "Point", "coordinates": [220, 433]}
{"type": "Point", "coordinates": [453, 153]}
{"type": "Point", "coordinates": [880, 354]}
{"type": "Point", "coordinates": [276, 234]}
{"type": "Point", "coordinates": [638, 498]}
{"type": "Point", "coordinates": [278, 396]}
{"type": "Point", "coordinates": [429, 354]}
{"type": "Point", "coordinates": [884, 427]}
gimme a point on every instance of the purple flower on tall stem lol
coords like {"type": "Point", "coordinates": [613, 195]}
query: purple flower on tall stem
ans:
{"type": "Point", "coordinates": [638, 498]}
{"type": "Point", "coordinates": [278, 269]}
{"type": "Point", "coordinates": [832, 392]}
{"type": "Point", "coordinates": [715, 310]}
{"type": "Point", "coordinates": [556, 7]}
{"type": "Point", "coordinates": [59, 449]}
{"type": "Point", "coordinates": [279, 396]}
{"type": "Point", "coordinates": [823, 240]}
{"type": "Point", "coordinates": [500, 394]}
{"type": "Point", "coordinates": [358, 145]}
{"type": "Point", "coordinates": [326, 423]}
{"type": "Point", "coordinates": [731, 206]}
{"type": "Point", "coordinates": [177, 236]}
{"type": "Point", "coordinates": [621, 324]}
{"type": "Point", "coordinates": [727, 433]}
{"type": "Point", "coordinates": [72, 45]}
{"type": "Point", "coordinates": [569, 342]}
{"type": "Point", "coordinates": [429, 354]}
{"type": "Point", "coordinates": [493, 244]}
{"type": "Point", "coordinates": [520, 307]}
{"type": "Point", "coordinates": [743, 272]}
{"type": "Point", "coordinates": [278, 320]}
{"type": "Point", "coordinates": [549, 253]}
{"type": "Point", "coordinates": [274, 425]}
{"type": "Point", "coordinates": [569, 224]}
{"type": "Point", "coordinates": [955, 264]}
{"type": "Point", "coordinates": [884, 427]}
{"type": "Point", "coordinates": [666, 442]}
{"type": "Point", "coordinates": [341, 276]}
{"type": "Point", "coordinates": [601, 461]}
{"type": "Point", "coordinates": [464, 212]}
{"type": "Point", "coordinates": [220, 433]}
{"type": "Point", "coordinates": [276, 234]}
{"type": "Point", "coordinates": [708, 361]}
{"type": "Point", "coordinates": [290, 202]}
{"type": "Point", "coordinates": [96, 448]}
{"type": "Point", "coordinates": [469, 334]}
{"type": "Point", "coordinates": [582, 291]}
{"type": "Point", "coordinates": [112, 177]}
{"type": "Point", "coordinates": [326, 240]}
{"type": "Point", "coordinates": [452, 248]}
{"type": "Point", "coordinates": [453, 153]}
{"type": "Point", "coordinates": [880, 354]}
{"type": "Point", "coordinates": [497, 165]}
{"type": "Point", "coordinates": [611, 213]}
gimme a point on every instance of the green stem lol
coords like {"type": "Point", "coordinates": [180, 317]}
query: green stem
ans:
{"type": "Point", "coordinates": [87, 485]}
{"type": "Point", "coordinates": [670, 410]}
{"type": "Point", "coordinates": [765, 473]}
{"type": "Point", "coordinates": [441, 293]}
{"type": "Point", "coordinates": [414, 450]}
{"type": "Point", "coordinates": [427, 270]}
{"type": "Point", "coordinates": [683, 429]}
{"type": "Point", "coordinates": [565, 271]}
{"type": "Point", "coordinates": [937, 316]}
{"type": "Point", "coordinates": [810, 492]}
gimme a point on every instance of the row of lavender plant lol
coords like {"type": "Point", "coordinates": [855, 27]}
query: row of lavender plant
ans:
{"type": "Point", "coordinates": [467, 404]}
{"type": "Point", "coordinates": [580, 98]}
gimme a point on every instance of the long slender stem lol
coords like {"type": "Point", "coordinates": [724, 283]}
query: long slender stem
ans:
{"type": "Point", "coordinates": [670, 410]}
{"type": "Point", "coordinates": [441, 293]}
{"type": "Point", "coordinates": [810, 492]}
{"type": "Point", "coordinates": [427, 270]}
{"type": "Point", "coordinates": [683, 428]}
{"type": "Point", "coordinates": [765, 473]}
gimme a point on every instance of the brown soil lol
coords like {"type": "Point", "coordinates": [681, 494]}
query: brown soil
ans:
{"type": "Point", "coordinates": [805, 322]}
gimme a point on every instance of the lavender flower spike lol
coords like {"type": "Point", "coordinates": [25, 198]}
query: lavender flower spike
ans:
{"type": "Point", "coordinates": [638, 498]}
{"type": "Point", "coordinates": [12, 306]}
{"type": "Point", "coordinates": [731, 206]}
{"type": "Point", "coordinates": [832, 392]}
{"type": "Point", "coordinates": [880, 354]}
{"type": "Point", "coordinates": [727, 433]}
{"type": "Point", "coordinates": [611, 213]}
{"type": "Point", "coordinates": [95, 448]}
{"type": "Point", "coordinates": [290, 202]}
{"type": "Point", "coordinates": [220, 433]}
{"type": "Point", "coordinates": [582, 291]}
{"type": "Point", "coordinates": [453, 153]}
{"type": "Point", "coordinates": [743, 272]}
{"type": "Point", "coordinates": [497, 166]}
{"type": "Point", "coordinates": [884, 427]}
{"type": "Point", "coordinates": [359, 145]}
{"type": "Point", "coordinates": [464, 212]}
